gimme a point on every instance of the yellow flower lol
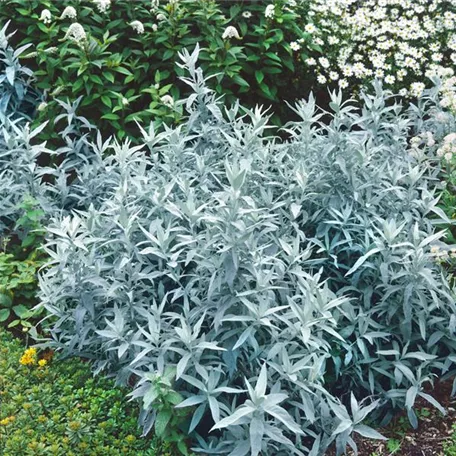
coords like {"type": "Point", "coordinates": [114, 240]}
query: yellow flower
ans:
{"type": "Point", "coordinates": [7, 420]}
{"type": "Point", "coordinates": [29, 357]}
{"type": "Point", "coordinates": [42, 362]}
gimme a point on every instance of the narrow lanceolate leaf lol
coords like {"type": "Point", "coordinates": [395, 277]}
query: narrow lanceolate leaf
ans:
{"type": "Point", "coordinates": [193, 400]}
{"type": "Point", "coordinates": [234, 418]}
{"type": "Point", "coordinates": [368, 432]}
{"type": "Point", "coordinates": [343, 426]}
{"type": "Point", "coordinates": [256, 435]}
{"type": "Point", "coordinates": [182, 364]}
{"type": "Point", "coordinates": [260, 388]}
{"type": "Point", "coordinates": [362, 260]}
{"type": "Point", "coordinates": [283, 416]}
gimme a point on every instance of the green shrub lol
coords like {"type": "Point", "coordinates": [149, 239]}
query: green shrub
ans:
{"type": "Point", "coordinates": [265, 282]}
{"type": "Point", "coordinates": [18, 285]}
{"type": "Point", "coordinates": [124, 64]}
{"type": "Point", "coordinates": [53, 407]}
{"type": "Point", "coordinates": [20, 260]}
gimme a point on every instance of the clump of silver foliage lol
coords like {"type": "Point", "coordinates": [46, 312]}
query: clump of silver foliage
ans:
{"type": "Point", "coordinates": [284, 288]}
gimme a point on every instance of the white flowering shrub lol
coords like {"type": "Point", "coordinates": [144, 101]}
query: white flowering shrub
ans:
{"type": "Point", "coordinates": [278, 292]}
{"type": "Point", "coordinates": [402, 42]}
{"type": "Point", "coordinates": [120, 56]}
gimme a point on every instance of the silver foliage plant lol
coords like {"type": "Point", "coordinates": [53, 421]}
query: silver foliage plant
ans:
{"type": "Point", "coordinates": [18, 157]}
{"type": "Point", "coordinates": [23, 176]}
{"type": "Point", "coordinates": [29, 169]}
{"type": "Point", "coordinates": [285, 289]}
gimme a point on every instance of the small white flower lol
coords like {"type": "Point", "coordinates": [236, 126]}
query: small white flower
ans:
{"type": "Point", "coordinates": [247, 14]}
{"type": "Point", "coordinates": [230, 32]}
{"type": "Point", "coordinates": [69, 12]}
{"type": "Point", "coordinates": [390, 79]}
{"type": "Point", "coordinates": [321, 79]}
{"type": "Point", "coordinates": [46, 16]}
{"type": "Point", "coordinates": [347, 71]}
{"type": "Point", "coordinates": [269, 11]}
{"type": "Point", "coordinates": [137, 26]}
{"type": "Point", "coordinates": [161, 17]}
{"type": "Point", "coordinates": [76, 33]}
{"type": "Point", "coordinates": [437, 57]}
{"type": "Point", "coordinates": [167, 100]}
{"type": "Point", "coordinates": [416, 89]}
{"type": "Point", "coordinates": [311, 61]}
{"type": "Point", "coordinates": [448, 156]}
{"type": "Point", "coordinates": [310, 28]}
{"type": "Point", "coordinates": [102, 5]}
{"type": "Point", "coordinates": [334, 75]}
{"type": "Point", "coordinates": [125, 101]}
{"type": "Point", "coordinates": [324, 62]}
{"type": "Point", "coordinates": [295, 46]}
{"type": "Point", "coordinates": [343, 83]}
{"type": "Point", "coordinates": [154, 27]}
{"type": "Point", "coordinates": [401, 74]}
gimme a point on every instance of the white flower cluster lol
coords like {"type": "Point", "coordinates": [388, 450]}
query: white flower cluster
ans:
{"type": "Point", "coordinates": [441, 254]}
{"type": "Point", "coordinates": [102, 5]}
{"type": "Point", "coordinates": [417, 89]}
{"type": "Point", "coordinates": [448, 94]}
{"type": "Point", "coordinates": [46, 16]}
{"type": "Point", "coordinates": [399, 41]}
{"type": "Point", "coordinates": [269, 12]}
{"type": "Point", "coordinates": [69, 12]}
{"type": "Point", "coordinates": [448, 148]}
{"type": "Point", "coordinates": [231, 32]}
{"type": "Point", "coordinates": [137, 26]}
{"type": "Point", "coordinates": [76, 33]}
{"type": "Point", "coordinates": [167, 100]}
{"type": "Point", "coordinates": [420, 143]}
